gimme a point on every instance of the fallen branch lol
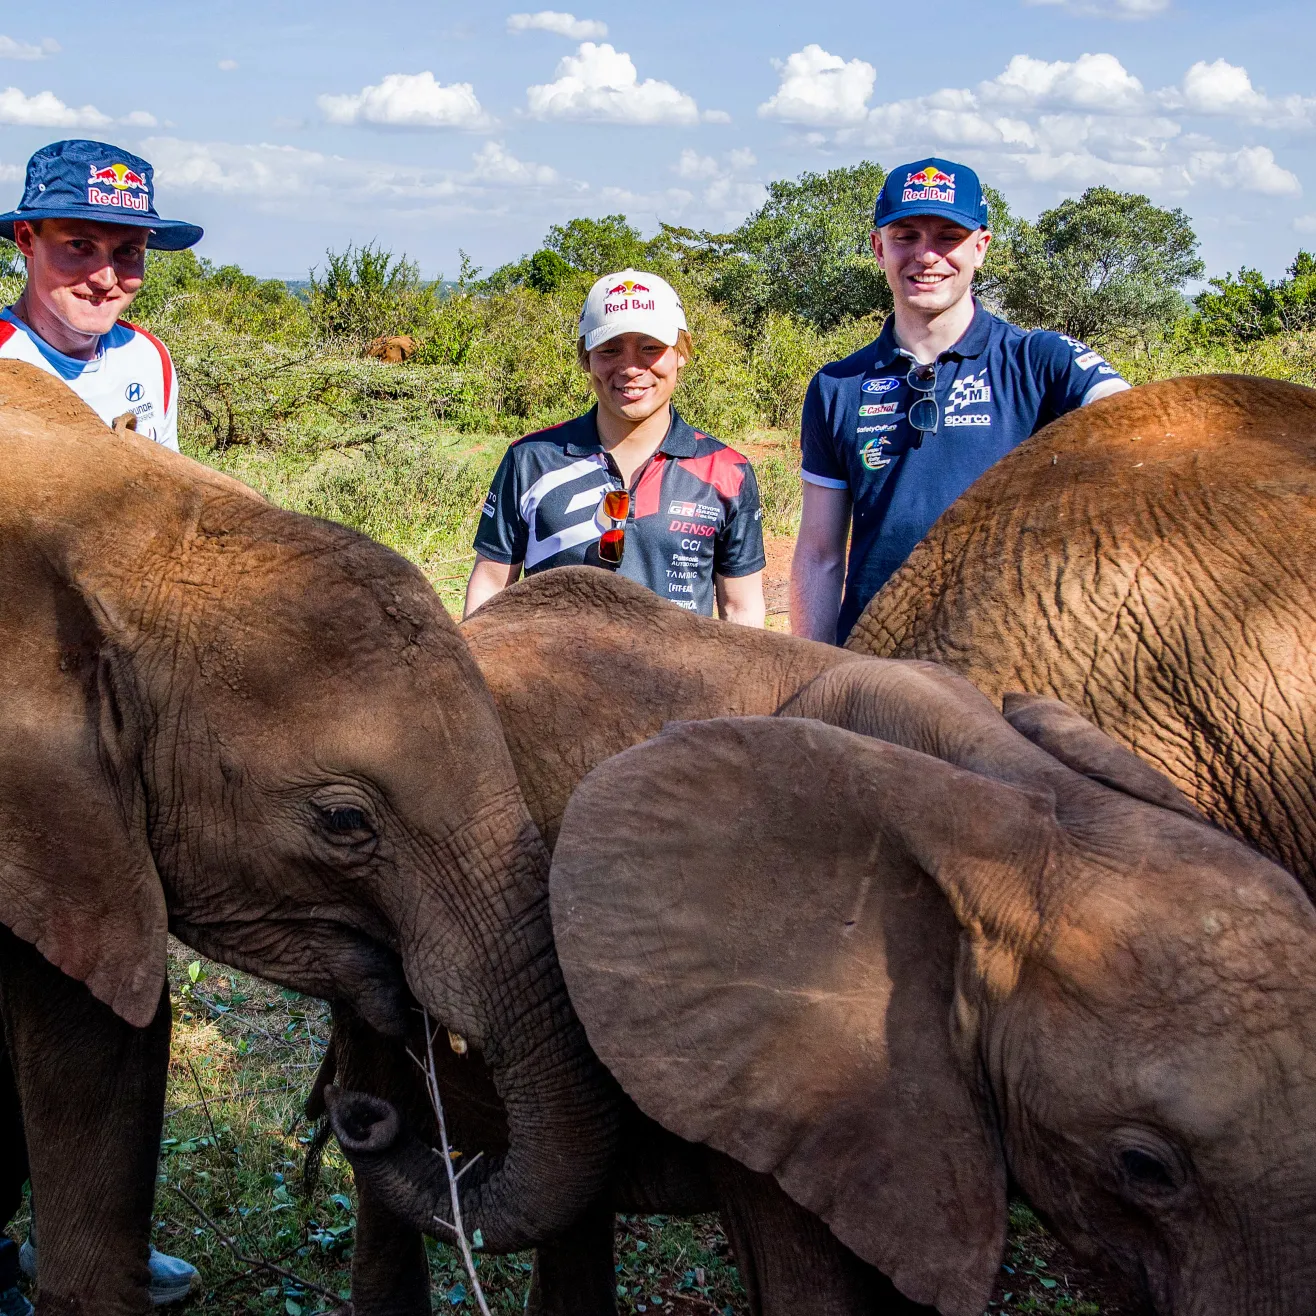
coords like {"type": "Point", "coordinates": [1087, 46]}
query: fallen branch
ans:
{"type": "Point", "coordinates": [254, 1263]}
{"type": "Point", "coordinates": [458, 1230]}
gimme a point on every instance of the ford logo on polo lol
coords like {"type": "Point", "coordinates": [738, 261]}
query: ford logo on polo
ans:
{"type": "Point", "coordinates": [134, 392]}
{"type": "Point", "coordinates": [880, 385]}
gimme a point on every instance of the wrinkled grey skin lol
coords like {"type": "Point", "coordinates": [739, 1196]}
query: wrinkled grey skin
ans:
{"type": "Point", "coordinates": [582, 665]}
{"type": "Point", "coordinates": [264, 733]}
{"type": "Point", "coordinates": [1151, 561]}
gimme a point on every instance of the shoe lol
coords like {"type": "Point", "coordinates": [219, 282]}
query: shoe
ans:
{"type": "Point", "coordinates": [12, 1302]}
{"type": "Point", "coordinates": [172, 1278]}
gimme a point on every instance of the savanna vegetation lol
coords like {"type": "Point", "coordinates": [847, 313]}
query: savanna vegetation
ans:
{"type": "Point", "coordinates": [276, 390]}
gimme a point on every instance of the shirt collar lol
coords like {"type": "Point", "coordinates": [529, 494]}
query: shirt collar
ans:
{"type": "Point", "coordinates": [681, 439]}
{"type": "Point", "coordinates": [972, 342]}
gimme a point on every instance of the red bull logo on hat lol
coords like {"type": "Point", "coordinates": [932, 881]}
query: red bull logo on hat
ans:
{"type": "Point", "coordinates": [627, 288]}
{"type": "Point", "coordinates": [128, 189]}
{"type": "Point", "coordinates": [930, 184]}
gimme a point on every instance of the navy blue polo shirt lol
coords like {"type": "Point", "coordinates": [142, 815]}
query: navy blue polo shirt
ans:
{"type": "Point", "coordinates": [996, 386]}
{"type": "Point", "coordinates": [694, 510]}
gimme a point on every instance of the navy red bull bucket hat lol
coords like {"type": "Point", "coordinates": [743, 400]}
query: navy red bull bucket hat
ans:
{"type": "Point", "coordinates": [93, 180]}
{"type": "Point", "coordinates": [932, 187]}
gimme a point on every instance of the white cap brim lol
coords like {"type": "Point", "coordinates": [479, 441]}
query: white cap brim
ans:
{"type": "Point", "coordinates": [666, 331]}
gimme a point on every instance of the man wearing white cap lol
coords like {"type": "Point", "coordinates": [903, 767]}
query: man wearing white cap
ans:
{"type": "Point", "coordinates": [629, 486]}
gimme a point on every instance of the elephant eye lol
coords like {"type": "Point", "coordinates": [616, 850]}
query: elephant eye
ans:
{"type": "Point", "coordinates": [1145, 1170]}
{"type": "Point", "coordinates": [345, 822]}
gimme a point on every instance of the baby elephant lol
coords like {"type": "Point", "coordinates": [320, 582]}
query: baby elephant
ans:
{"type": "Point", "coordinates": [898, 972]}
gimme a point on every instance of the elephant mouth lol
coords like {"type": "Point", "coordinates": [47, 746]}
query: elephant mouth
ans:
{"type": "Point", "coordinates": [315, 957]}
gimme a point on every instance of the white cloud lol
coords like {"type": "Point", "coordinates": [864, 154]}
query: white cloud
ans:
{"type": "Point", "coordinates": [46, 110]}
{"type": "Point", "coordinates": [1224, 89]}
{"type": "Point", "coordinates": [1253, 169]}
{"type": "Point", "coordinates": [1108, 8]}
{"type": "Point", "coordinates": [694, 166]}
{"type": "Point", "coordinates": [493, 164]}
{"type": "Point", "coordinates": [280, 179]}
{"type": "Point", "coordinates": [227, 65]}
{"type": "Point", "coordinates": [11, 49]}
{"type": "Point", "coordinates": [1091, 82]}
{"type": "Point", "coordinates": [408, 100]}
{"type": "Point", "coordinates": [564, 25]}
{"type": "Point", "coordinates": [11, 173]}
{"type": "Point", "coordinates": [140, 119]}
{"type": "Point", "coordinates": [601, 84]}
{"type": "Point", "coordinates": [820, 89]}
{"type": "Point", "coordinates": [1305, 223]}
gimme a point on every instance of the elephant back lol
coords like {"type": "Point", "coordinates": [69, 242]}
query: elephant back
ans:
{"type": "Point", "coordinates": [1150, 561]}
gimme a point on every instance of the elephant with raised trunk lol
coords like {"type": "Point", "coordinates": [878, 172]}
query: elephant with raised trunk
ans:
{"type": "Point", "coordinates": [1151, 561]}
{"type": "Point", "coordinates": [582, 666]}
{"type": "Point", "coordinates": [262, 732]}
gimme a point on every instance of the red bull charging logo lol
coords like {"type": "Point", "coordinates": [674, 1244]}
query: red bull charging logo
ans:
{"type": "Point", "coordinates": [627, 288]}
{"type": "Point", "coordinates": [128, 189]}
{"type": "Point", "coordinates": [929, 184]}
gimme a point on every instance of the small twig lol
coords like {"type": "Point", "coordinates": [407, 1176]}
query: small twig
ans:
{"type": "Point", "coordinates": [468, 1165]}
{"type": "Point", "coordinates": [255, 1263]}
{"type": "Point", "coordinates": [458, 1229]}
{"type": "Point", "coordinates": [205, 1105]}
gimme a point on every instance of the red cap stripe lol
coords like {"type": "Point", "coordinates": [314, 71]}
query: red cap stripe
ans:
{"type": "Point", "coordinates": [166, 365]}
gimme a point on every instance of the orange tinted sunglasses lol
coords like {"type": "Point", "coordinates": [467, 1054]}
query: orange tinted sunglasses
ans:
{"type": "Point", "coordinates": [616, 507]}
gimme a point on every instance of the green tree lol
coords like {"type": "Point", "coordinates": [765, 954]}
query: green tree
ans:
{"type": "Point", "coordinates": [12, 265]}
{"type": "Point", "coordinates": [598, 246]}
{"type": "Point", "coordinates": [805, 251]}
{"type": "Point", "coordinates": [1246, 307]}
{"type": "Point", "coordinates": [366, 292]}
{"type": "Point", "coordinates": [1105, 265]}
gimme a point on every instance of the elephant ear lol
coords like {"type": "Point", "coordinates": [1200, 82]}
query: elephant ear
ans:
{"type": "Point", "coordinates": [757, 922]}
{"type": "Point", "coordinates": [1075, 742]}
{"type": "Point", "coordinates": [77, 879]}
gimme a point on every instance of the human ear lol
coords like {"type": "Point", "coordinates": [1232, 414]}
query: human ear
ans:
{"type": "Point", "coordinates": [875, 241]}
{"type": "Point", "coordinates": [23, 236]}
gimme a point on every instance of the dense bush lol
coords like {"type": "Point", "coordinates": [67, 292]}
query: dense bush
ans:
{"type": "Point", "coordinates": [1246, 308]}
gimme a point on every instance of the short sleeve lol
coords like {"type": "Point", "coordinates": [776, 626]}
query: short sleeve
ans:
{"type": "Point", "coordinates": [1070, 368]}
{"type": "Point", "coordinates": [819, 462]}
{"type": "Point", "coordinates": [502, 534]}
{"type": "Point", "coordinates": [738, 550]}
{"type": "Point", "coordinates": [167, 432]}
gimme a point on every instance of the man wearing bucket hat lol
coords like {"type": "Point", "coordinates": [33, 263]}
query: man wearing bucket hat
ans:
{"type": "Point", "coordinates": [895, 433]}
{"type": "Point", "coordinates": [84, 225]}
{"type": "Point", "coordinates": [629, 486]}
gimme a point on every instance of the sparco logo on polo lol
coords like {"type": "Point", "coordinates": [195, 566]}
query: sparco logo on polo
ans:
{"type": "Point", "coordinates": [127, 188]}
{"type": "Point", "coordinates": [929, 184]}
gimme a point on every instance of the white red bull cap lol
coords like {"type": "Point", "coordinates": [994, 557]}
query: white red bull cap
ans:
{"type": "Point", "coordinates": [631, 302]}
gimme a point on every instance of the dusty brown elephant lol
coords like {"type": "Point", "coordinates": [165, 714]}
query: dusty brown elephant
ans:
{"type": "Point", "coordinates": [262, 732]}
{"type": "Point", "coordinates": [893, 973]}
{"type": "Point", "coordinates": [392, 349]}
{"type": "Point", "coordinates": [1151, 561]}
{"type": "Point", "coordinates": [582, 665]}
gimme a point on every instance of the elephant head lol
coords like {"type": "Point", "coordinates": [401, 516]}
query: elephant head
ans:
{"type": "Point", "coordinates": [264, 731]}
{"type": "Point", "coordinates": [897, 973]}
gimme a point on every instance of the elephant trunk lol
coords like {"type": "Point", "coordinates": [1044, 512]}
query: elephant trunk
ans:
{"type": "Point", "coordinates": [562, 1106]}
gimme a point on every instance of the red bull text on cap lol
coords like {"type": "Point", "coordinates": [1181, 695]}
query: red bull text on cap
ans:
{"type": "Point", "coordinates": [931, 187]}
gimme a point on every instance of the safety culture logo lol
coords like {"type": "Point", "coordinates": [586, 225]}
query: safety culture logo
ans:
{"type": "Point", "coordinates": [929, 184]}
{"type": "Point", "coordinates": [128, 189]}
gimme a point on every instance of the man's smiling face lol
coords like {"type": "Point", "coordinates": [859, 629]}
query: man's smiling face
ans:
{"type": "Point", "coordinates": [929, 261]}
{"type": "Point", "coordinates": [84, 274]}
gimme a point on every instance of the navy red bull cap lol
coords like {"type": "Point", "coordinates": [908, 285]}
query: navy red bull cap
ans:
{"type": "Point", "coordinates": [92, 180]}
{"type": "Point", "coordinates": [932, 187]}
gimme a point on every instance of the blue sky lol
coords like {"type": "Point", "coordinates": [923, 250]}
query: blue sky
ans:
{"type": "Point", "coordinates": [288, 128]}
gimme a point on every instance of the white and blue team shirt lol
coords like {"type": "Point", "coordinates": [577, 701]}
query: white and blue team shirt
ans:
{"type": "Point", "coordinates": [131, 371]}
{"type": "Point", "coordinates": [997, 386]}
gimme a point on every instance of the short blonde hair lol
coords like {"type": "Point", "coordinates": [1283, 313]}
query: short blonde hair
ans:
{"type": "Point", "coordinates": [684, 344]}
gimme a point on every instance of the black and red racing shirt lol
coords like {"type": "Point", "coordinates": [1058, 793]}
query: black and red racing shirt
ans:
{"type": "Point", "coordinates": [694, 514]}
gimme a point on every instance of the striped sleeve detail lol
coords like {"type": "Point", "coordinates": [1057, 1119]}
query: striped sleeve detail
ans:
{"type": "Point", "coordinates": [166, 364]}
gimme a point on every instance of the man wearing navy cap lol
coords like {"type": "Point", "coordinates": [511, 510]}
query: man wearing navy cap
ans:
{"type": "Point", "coordinates": [84, 225]}
{"type": "Point", "coordinates": [895, 433]}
